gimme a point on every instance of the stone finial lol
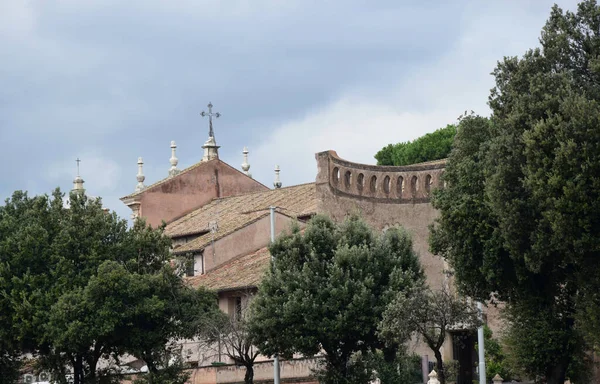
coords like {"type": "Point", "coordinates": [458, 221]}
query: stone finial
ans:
{"type": "Point", "coordinates": [277, 182]}
{"type": "Point", "coordinates": [78, 181]}
{"type": "Point", "coordinates": [433, 378]}
{"type": "Point", "coordinates": [211, 149]}
{"type": "Point", "coordinates": [140, 175]}
{"type": "Point", "coordinates": [497, 379]}
{"type": "Point", "coordinates": [245, 164]}
{"type": "Point", "coordinates": [173, 160]}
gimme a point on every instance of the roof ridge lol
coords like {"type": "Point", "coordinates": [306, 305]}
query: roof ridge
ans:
{"type": "Point", "coordinates": [259, 192]}
{"type": "Point", "coordinates": [221, 235]}
{"type": "Point", "coordinates": [234, 259]}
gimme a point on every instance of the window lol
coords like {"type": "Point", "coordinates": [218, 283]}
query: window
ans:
{"type": "Point", "coordinates": [195, 265]}
{"type": "Point", "coordinates": [235, 307]}
{"type": "Point", "coordinates": [238, 308]}
{"type": "Point", "coordinates": [189, 266]}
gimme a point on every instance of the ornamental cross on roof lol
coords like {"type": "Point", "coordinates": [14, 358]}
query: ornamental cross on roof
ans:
{"type": "Point", "coordinates": [78, 161]}
{"type": "Point", "coordinates": [210, 115]}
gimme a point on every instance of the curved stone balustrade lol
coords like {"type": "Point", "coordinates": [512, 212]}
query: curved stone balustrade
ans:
{"type": "Point", "coordinates": [405, 184]}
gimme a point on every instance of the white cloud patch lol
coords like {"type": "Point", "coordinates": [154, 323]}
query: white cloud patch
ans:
{"type": "Point", "coordinates": [17, 19]}
{"type": "Point", "coordinates": [364, 120]}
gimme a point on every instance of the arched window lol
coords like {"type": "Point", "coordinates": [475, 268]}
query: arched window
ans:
{"type": "Point", "coordinates": [428, 184]}
{"type": "Point", "coordinates": [400, 187]}
{"type": "Point", "coordinates": [348, 179]}
{"type": "Point", "coordinates": [336, 175]}
{"type": "Point", "coordinates": [373, 185]}
{"type": "Point", "coordinates": [360, 182]}
{"type": "Point", "coordinates": [386, 185]}
{"type": "Point", "coordinates": [414, 186]}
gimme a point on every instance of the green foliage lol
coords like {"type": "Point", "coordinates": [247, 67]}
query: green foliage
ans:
{"type": "Point", "coordinates": [10, 364]}
{"type": "Point", "coordinates": [520, 213]}
{"type": "Point", "coordinates": [432, 146]}
{"type": "Point", "coordinates": [404, 368]}
{"type": "Point", "coordinates": [327, 289]}
{"type": "Point", "coordinates": [534, 336]}
{"type": "Point", "coordinates": [428, 314]}
{"type": "Point", "coordinates": [76, 285]}
{"type": "Point", "coordinates": [496, 361]}
{"type": "Point", "coordinates": [171, 372]}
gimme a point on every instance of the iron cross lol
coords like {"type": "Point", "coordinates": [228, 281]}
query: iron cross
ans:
{"type": "Point", "coordinates": [210, 115]}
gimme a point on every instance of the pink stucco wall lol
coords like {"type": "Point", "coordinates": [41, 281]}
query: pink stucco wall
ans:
{"type": "Point", "coordinates": [192, 189]}
{"type": "Point", "coordinates": [244, 241]}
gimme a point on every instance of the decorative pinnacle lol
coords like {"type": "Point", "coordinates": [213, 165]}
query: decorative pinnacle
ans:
{"type": "Point", "coordinates": [78, 181]}
{"type": "Point", "coordinates": [210, 115]}
{"type": "Point", "coordinates": [277, 182]}
{"type": "Point", "coordinates": [140, 175]}
{"type": "Point", "coordinates": [245, 164]}
{"type": "Point", "coordinates": [173, 160]}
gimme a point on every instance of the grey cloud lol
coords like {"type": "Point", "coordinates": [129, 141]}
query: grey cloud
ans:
{"type": "Point", "coordinates": [124, 78]}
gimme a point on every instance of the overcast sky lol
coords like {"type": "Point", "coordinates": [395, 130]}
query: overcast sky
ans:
{"type": "Point", "coordinates": [108, 81]}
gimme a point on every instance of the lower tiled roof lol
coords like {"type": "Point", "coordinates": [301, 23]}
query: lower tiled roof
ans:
{"type": "Point", "coordinates": [236, 212]}
{"type": "Point", "coordinates": [245, 271]}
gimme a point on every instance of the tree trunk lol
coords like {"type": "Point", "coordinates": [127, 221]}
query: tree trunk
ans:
{"type": "Point", "coordinates": [249, 377]}
{"type": "Point", "coordinates": [440, 366]}
{"type": "Point", "coordinates": [78, 370]}
{"type": "Point", "coordinates": [556, 374]}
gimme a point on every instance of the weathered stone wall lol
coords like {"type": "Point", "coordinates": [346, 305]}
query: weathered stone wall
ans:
{"type": "Point", "coordinates": [384, 196]}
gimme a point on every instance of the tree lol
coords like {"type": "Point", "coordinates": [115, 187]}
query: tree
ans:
{"type": "Point", "coordinates": [77, 285]}
{"type": "Point", "coordinates": [520, 213]}
{"type": "Point", "coordinates": [432, 146]}
{"type": "Point", "coordinates": [326, 291]}
{"type": "Point", "coordinates": [230, 334]}
{"type": "Point", "coordinates": [428, 314]}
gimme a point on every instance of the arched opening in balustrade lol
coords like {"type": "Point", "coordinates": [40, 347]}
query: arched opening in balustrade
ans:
{"type": "Point", "coordinates": [360, 182]}
{"type": "Point", "coordinates": [336, 175]}
{"type": "Point", "coordinates": [386, 185]}
{"type": "Point", "coordinates": [414, 186]}
{"type": "Point", "coordinates": [428, 182]}
{"type": "Point", "coordinates": [400, 187]}
{"type": "Point", "coordinates": [348, 179]}
{"type": "Point", "coordinates": [373, 185]}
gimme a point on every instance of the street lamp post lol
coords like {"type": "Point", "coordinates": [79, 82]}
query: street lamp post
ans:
{"type": "Point", "coordinates": [276, 359]}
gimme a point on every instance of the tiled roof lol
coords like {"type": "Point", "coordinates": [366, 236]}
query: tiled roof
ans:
{"type": "Point", "coordinates": [233, 213]}
{"type": "Point", "coordinates": [242, 272]}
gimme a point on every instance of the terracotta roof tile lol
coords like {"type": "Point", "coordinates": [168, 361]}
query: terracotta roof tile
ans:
{"type": "Point", "coordinates": [233, 213]}
{"type": "Point", "coordinates": [242, 272]}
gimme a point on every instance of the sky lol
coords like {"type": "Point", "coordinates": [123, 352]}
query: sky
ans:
{"type": "Point", "coordinates": [109, 81]}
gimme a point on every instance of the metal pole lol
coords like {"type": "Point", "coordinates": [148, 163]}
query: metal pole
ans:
{"type": "Point", "coordinates": [481, 346]}
{"type": "Point", "coordinates": [425, 368]}
{"type": "Point", "coordinates": [276, 359]}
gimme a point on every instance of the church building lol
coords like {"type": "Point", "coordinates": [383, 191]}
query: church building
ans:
{"type": "Point", "coordinates": [218, 216]}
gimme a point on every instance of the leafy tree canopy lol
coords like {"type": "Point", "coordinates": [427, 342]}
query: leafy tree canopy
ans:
{"type": "Point", "coordinates": [520, 216]}
{"type": "Point", "coordinates": [429, 315]}
{"type": "Point", "coordinates": [327, 289]}
{"type": "Point", "coordinates": [432, 146]}
{"type": "Point", "coordinates": [76, 285]}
